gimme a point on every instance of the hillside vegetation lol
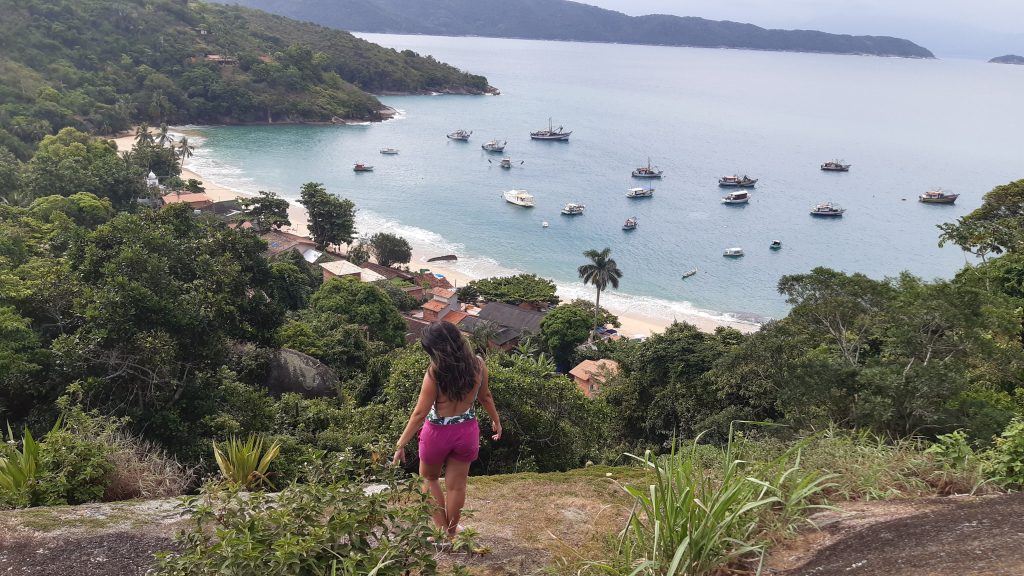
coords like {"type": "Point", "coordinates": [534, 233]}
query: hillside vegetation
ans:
{"type": "Point", "coordinates": [563, 20]}
{"type": "Point", "coordinates": [99, 65]}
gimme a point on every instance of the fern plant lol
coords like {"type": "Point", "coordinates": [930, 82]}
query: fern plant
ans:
{"type": "Point", "coordinates": [245, 463]}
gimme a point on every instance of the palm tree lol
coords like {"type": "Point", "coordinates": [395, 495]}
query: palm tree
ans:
{"type": "Point", "coordinates": [483, 333]}
{"type": "Point", "coordinates": [185, 149]}
{"type": "Point", "coordinates": [600, 271]}
{"type": "Point", "coordinates": [142, 135]}
{"type": "Point", "coordinates": [163, 137]}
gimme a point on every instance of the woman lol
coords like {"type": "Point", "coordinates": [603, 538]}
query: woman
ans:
{"type": "Point", "coordinates": [450, 438]}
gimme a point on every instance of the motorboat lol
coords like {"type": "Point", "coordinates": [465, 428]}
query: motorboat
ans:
{"type": "Point", "coordinates": [362, 168]}
{"type": "Point", "coordinates": [828, 210]}
{"type": "Point", "coordinates": [835, 166]}
{"type": "Point", "coordinates": [389, 151]}
{"type": "Point", "coordinates": [737, 181]}
{"type": "Point", "coordinates": [519, 198]}
{"type": "Point", "coordinates": [551, 133]}
{"type": "Point", "coordinates": [460, 135]}
{"type": "Point", "coordinates": [938, 196]}
{"type": "Point", "coordinates": [647, 171]}
{"type": "Point", "coordinates": [573, 209]}
{"type": "Point", "coordinates": [630, 223]}
{"type": "Point", "coordinates": [775, 245]}
{"type": "Point", "coordinates": [544, 224]}
{"type": "Point", "coordinates": [689, 273]}
{"type": "Point", "coordinates": [736, 198]}
{"type": "Point", "coordinates": [494, 146]}
{"type": "Point", "coordinates": [733, 252]}
{"type": "Point", "coordinates": [640, 193]}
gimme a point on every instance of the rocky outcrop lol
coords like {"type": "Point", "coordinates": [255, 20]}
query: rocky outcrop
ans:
{"type": "Point", "coordinates": [293, 371]}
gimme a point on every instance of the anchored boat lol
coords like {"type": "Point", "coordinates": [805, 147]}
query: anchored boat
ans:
{"type": "Point", "coordinates": [573, 209]}
{"type": "Point", "coordinates": [827, 210]}
{"type": "Point", "coordinates": [519, 198]}
{"type": "Point", "coordinates": [835, 166]}
{"type": "Point", "coordinates": [736, 198]}
{"type": "Point", "coordinates": [494, 146]}
{"type": "Point", "coordinates": [647, 171]}
{"type": "Point", "coordinates": [640, 193]}
{"type": "Point", "coordinates": [630, 223]}
{"type": "Point", "coordinates": [551, 133]}
{"type": "Point", "coordinates": [737, 181]}
{"type": "Point", "coordinates": [938, 196]}
{"type": "Point", "coordinates": [362, 168]}
{"type": "Point", "coordinates": [460, 135]}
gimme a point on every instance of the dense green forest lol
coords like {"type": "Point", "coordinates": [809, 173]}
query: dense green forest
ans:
{"type": "Point", "coordinates": [101, 65]}
{"type": "Point", "coordinates": [564, 20]}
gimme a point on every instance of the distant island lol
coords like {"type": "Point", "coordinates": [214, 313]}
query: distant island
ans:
{"type": "Point", "coordinates": [564, 20]}
{"type": "Point", "coordinates": [1008, 59]}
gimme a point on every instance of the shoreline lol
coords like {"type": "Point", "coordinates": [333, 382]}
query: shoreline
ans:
{"type": "Point", "coordinates": [633, 323]}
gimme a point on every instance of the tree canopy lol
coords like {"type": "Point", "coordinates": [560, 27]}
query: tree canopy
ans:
{"type": "Point", "coordinates": [332, 220]}
{"type": "Point", "coordinates": [515, 289]}
{"type": "Point", "coordinates": [390, 249]}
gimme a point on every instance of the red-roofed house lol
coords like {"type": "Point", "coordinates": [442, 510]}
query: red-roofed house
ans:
{"type": "Point", "coordinates": [590, 375]}
{"type": "Point", "coordinates": [434, 310]}
{"type": "Point", "coordinates": [196, 200]}
{"type": "Point", "coordinates": [455, 317]}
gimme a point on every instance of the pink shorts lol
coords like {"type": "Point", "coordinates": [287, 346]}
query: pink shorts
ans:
{"type": "Point", "coordinates": [457, 441]}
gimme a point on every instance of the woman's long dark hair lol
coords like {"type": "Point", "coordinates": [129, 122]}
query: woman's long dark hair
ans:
{"type": "Point", "coordinates": [453, 365]}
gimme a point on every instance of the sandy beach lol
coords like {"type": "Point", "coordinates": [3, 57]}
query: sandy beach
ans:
{"type": "Point", "coordinates": [633, 324]}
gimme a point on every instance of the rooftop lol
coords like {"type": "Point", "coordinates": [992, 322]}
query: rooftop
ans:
{"type": "Point", "coordinates": [434, 306]}
{"type": "Point", "coordinates": [588, 368]}
{"type": "Point", "coordinates": [443, 292]}
{"type": "Point", "coordinates": [342, 268]}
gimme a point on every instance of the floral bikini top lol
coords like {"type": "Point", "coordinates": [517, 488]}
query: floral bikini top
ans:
{"type": "Point", "coordinates": [469, 414]}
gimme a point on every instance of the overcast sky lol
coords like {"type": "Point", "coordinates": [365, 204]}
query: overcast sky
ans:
{"type": "Point", "coordinates": [951, 28]}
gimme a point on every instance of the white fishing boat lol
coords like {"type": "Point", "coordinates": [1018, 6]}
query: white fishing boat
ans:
{"type": "Point", "coordinates": [775, 245]}
{"type": "Point", "coordinates": [733, 252]}
{"type": "Point", "coordinates": [389, 151]}
{"type": "Point", "coordinates": [630, 223]}
{"type": "Point", "coordinates": [551, 133]}
{"type": "Point", "coordinates": [737, 181]}
{"type": "Point", "coordinates": [494, 146]}
{"type": "Point", "coordinates": [544, 224]}
{"type": "Point", "coordinates": [519, 198]}
{"type": "Point", "coordinates": [460, 135]}
{"type": "Point", "coordinates": [827, 210]}
{"type": "Point", "coordinates": [647, 171]}
{"type": "Point", "coordinates": [689, 273]}
{"type": "Point", "coordinates": [640, 193]}
{"type": "Point", "coordinates": [736, 198]}
{"type": "Point", "coordinates": [573, 209]}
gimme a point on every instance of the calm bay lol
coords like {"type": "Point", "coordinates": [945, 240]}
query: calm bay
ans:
{"type": "Point", "coordinates": [906, 126]}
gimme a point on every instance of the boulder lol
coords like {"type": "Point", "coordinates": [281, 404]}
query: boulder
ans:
{"type": "Point", "coordinates": [292, 371]}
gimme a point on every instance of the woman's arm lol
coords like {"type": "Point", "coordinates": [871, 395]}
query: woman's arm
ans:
{"type": "Point", "coordinates": [428, 392]}
{"type": "Point", "coordinates": [487, 400]}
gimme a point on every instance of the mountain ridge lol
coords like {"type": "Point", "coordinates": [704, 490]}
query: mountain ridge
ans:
{"type": "Point", "coordinates": [571, 21]}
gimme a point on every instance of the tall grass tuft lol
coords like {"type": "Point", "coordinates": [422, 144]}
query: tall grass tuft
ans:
{"type": "Point", "coordinates": [699, 517]}
{"type": "Point", "coordinates": [245, 463]}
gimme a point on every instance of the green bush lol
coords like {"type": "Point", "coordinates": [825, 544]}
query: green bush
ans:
{"type": "Point", "coordinates": [328, 525]}
{"type": "Point", "coordinates": [17, 469]}
{"type": "Point", "coordinates": [1005, 461]}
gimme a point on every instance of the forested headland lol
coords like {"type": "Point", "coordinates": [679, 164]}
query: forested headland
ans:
{"type": "Point", "coordinates": [564, 20]}
{"type": "Point", "coordinates": [102, 65]}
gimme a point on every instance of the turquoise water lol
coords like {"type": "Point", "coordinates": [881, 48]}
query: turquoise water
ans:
{"type": "Point", "coordinates": [905, 125]}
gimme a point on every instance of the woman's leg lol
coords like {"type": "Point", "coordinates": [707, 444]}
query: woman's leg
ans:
{"type": "Point", "coordinates": [455, 474]}
{"type": "Point", "coordinates": [431, 483]}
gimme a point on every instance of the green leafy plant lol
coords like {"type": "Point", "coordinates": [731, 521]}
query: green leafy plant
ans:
{"type": "Point", "coordinates": [245, 463]}
{"type": "Point", "coordinates": [952, 449]}
{"type": "Point", "coordinates": [1005, 461]}
{"type": "Point", "coordinates": [329, 525]}
{"type": "Point", "coordinates": [18, 470]}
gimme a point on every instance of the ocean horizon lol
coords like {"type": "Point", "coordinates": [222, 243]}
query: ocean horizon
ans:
{"type": "Point", "coordinates": [902, 124]}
